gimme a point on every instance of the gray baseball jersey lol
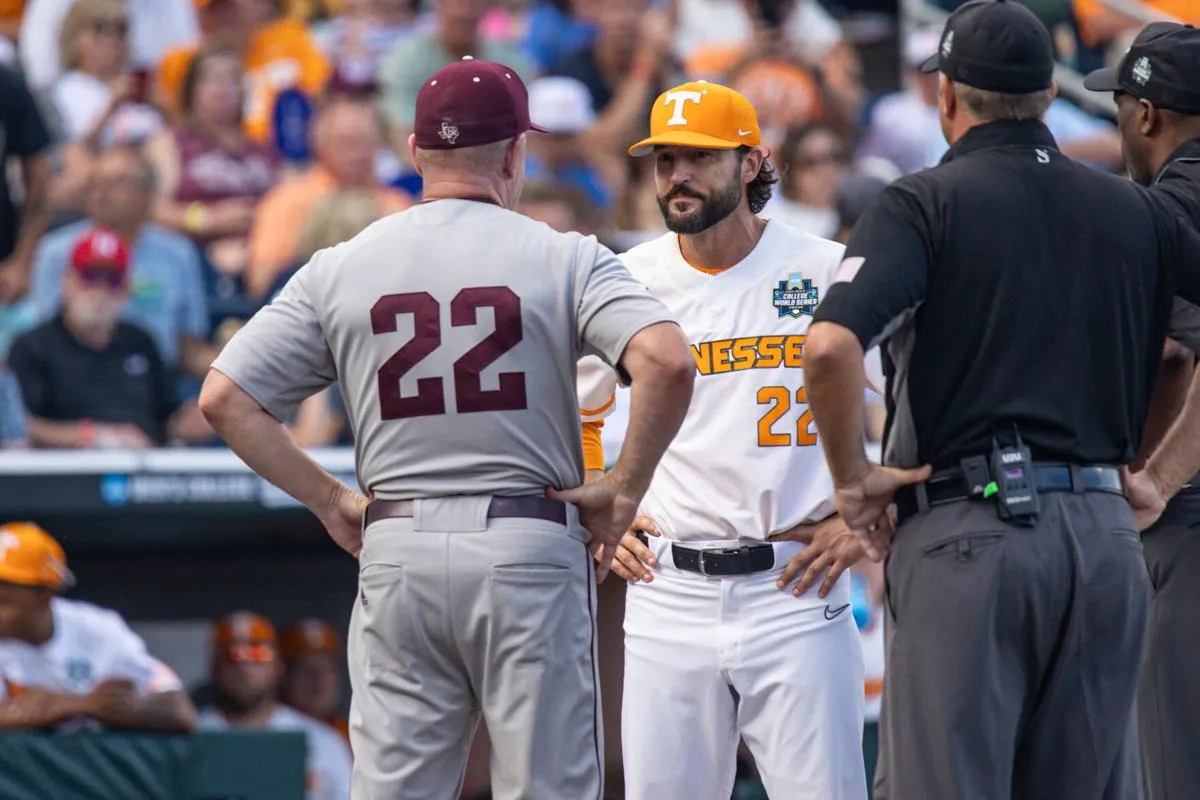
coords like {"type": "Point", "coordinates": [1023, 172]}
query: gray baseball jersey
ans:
{"type": "Point", "coordinates": [453, 330]}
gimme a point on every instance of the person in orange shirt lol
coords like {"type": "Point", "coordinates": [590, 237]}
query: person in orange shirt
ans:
{"type": "Point", "coordinates": [347, 133]}
{"type": "Point", "coordinates": [1100, 25]}
{"type": "Point", "coordinates": [312, 681]}
{"type": "Point", "coordinates": [277, 56]}
{"type": "Point", "coordinates": [10, 18]}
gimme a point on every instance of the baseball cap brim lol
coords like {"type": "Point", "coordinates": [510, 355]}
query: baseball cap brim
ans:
{"type": "Point", "coordinates": [682, 139]}
{"type": "Point", "coordinates": [931, 64]}
{"type": "Point", "coordinates": [1106, 79]}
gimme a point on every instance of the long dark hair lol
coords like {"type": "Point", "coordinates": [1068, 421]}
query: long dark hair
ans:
{"type": "Point", "coordinates": [759, 190]}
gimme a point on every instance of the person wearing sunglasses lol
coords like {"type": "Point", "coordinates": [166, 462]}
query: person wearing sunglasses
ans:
{"type": "Point", "coordinates": [247, 671]}
{"type": "Point", "coordinates": [91, 379]}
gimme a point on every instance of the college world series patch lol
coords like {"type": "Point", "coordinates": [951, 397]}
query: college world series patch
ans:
{"type": "Point", "coordinates": [796, 296]}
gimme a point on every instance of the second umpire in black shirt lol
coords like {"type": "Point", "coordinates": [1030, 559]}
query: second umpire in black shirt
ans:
{"type": "Point", "coordinates": [1157, 89]}
{"type": "Point", "coordinates": [1022, 301]}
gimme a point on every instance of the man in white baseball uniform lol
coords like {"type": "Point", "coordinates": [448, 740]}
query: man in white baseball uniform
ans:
{"type": "Point", "coordinates": [453, 330]}
{"type": "Point", "coordinates": [719, 640]}
{"type": "Point", "coordinates": [70, 665]}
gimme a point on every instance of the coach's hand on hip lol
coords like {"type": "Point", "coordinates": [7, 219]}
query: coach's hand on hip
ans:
{"type": "Point", "coordinates": [632, 560]}
{"type": "Point", "coordinates": [863, 503]}
{"type": "Point", "coordinates": [342, 518]}
{"type": "Point", "coordinates": [606, 511]}
{"type": "Point", "coordinates": [831, 550]}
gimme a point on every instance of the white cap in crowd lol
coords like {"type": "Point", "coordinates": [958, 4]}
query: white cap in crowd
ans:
{"type": "Point", "coordinates": [921, 44]}
{"type": "Point", "coordinates": [561, 105]}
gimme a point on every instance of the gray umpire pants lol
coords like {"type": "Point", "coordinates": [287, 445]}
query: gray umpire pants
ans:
{"type": "Point", "coordinates": [1169, 692]}
{"type": "Point", "coordinates": [1013, 654]}
{"type": "Point", "coordinates": [457, 617]}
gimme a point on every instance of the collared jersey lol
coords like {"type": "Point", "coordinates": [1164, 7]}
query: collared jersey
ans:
{"type": "Point", "coordinates": [1015, 287]}
{"type": "Point", "coordinates": [747, 461]}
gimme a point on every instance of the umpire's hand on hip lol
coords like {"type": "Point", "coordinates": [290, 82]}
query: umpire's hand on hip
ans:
{"type": "Point", "coordinates": [864, 501]}
{"type": "Point", "coordinates": [832, 549]}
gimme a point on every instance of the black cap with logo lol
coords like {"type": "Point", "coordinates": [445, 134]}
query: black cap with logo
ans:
{"type": "Point", "coordinates": [996, 46]}
{"type": "Point", "coordinates": [1162, 66]}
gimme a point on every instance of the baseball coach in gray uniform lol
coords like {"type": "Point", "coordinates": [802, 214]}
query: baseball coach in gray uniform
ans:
{"type": "Point", "coordinates": [1021, 301]}
{"type": "Point", "coordinates": [453, 330]}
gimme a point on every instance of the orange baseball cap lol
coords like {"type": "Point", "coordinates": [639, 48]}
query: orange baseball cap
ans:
{"type": "Point", "coordinates": [701, 114]}
{"type": "Point", "coordinates": [243, 627]}
{"type": "Point", "coordinates": [308, 636]}
{"type": "Point", "coordinates": [31, 557]}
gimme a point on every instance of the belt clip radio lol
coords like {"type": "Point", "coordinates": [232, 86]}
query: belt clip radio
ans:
{"type": "Point", "coordinates": [1013, 483]}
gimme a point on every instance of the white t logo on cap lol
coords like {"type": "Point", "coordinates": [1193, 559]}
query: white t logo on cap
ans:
{"type": "Point", "coordinates": [680, 99]}
{"type": "Point", "coordinates": [7, 542]}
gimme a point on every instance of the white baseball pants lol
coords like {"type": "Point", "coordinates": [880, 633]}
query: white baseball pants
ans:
{"type": "Point", "coordinates": [709, 658]}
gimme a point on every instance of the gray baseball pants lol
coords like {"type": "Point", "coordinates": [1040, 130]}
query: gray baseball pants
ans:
{"type": "Point", "coordinates": [1169, 692]}
{"type": "Point", "coordinates": [460, 617]}
{"type": "Point", "coordinates": [1013, 654]}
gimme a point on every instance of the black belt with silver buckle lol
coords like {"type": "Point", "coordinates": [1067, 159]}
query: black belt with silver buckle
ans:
{"type": "Point", "coordinates": [742, 560]}
{"type": "Point", "coordinates": [949, 486]}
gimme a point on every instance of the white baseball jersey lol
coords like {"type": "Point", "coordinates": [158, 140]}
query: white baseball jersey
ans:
{"type": "Point", "coordinates": [453, 330]}
{"type": "Point", "coordinates": [329, 761]}
{"type": "Point", "coordinates": [747, 462]}
{"type": "Point", "coordinates": [90, 645]}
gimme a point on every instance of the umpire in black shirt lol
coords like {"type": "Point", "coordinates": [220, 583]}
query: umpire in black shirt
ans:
{"type": "Point", "coordinates": [1022, 301]}
{"type": "Point", "coordinates": [1157, 89]}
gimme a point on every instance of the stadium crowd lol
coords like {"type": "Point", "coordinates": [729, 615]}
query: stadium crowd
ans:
{"type": "Point", "coordinates": [171, 163]}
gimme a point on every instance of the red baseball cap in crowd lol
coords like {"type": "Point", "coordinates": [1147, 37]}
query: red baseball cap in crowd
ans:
{"type": "Point", "coordinates": [469, 103]}
{"type": "Point", "coordinates": [100, 249]}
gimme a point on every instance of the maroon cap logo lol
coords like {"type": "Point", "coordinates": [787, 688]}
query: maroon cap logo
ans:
{"type": "Point", "coordinates": [448, 132]}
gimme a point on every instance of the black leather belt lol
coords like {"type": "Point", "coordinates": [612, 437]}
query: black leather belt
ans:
{"type": "Point", "coordinates": [531, 507]}
{"type": "Point", "coordinates": [949, 486]}
{"type": "Point", "coordinates": [741, 560]}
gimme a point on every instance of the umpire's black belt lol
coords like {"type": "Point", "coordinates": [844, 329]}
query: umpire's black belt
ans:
{"type": "Point", "coordinates": [530, 507]}
{"type": "Point", "coordinates": [741, 560]}
{"type": "Point", "coordinates": [950, 485]}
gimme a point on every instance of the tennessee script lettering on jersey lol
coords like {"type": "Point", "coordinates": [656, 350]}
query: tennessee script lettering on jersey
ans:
{"type": "Point", "coordinates": [749, 352]}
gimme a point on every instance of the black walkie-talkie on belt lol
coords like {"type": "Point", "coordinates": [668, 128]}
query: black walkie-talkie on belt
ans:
{"type": "Point", "coordinates": [1013, 483]}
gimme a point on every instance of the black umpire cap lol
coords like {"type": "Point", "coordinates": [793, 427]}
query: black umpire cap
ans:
{"type": "Point", "coordinates": [996, 46]}
{"type": "Point", "coordinates": [1162, 67]}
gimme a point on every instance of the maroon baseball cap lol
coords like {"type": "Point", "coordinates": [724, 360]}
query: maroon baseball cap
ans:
{"type": "Point", "coordinates": [468, 103]}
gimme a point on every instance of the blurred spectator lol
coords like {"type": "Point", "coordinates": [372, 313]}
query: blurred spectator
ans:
{"type": "Point", "coordinates": [1103, 27]}
{"type": "Point", "coordinates": [14, 421]}
{"type": "Point", "coordinates": [23, 136]}
{"type": "Point", "coordinates": [91, 380]}
{"type": "Point", "coordinates": [555, 30]}
{"type": "Point", "coordinates": [338, 217]}
{"type": "Point", "coordinates": [346, 135]}
{"type": "Point", "coordinates": [628, 63]}
{"type": "Point", "coordinates": [210, 175]}
{"type": "Point", "coordinates": [98, 102]}
{"type": "Point", "coordinates": [246, 675]}
{"type": "Point", "coordinates": [781, 78]}
{"type": "Point", "coordinates": [312, 680]}
{"type": "Point", "coordinates": [563, 107]}
{"type": "Point", "coordinates": [96, 97]}
{"type": "Point", "coordinates": [156, 26]}
{"type": "Point", "coordinates": [10, 19]}
{"type": "Point", "coordinates": [276, 56]}
{"type": "Point", "coordinates": [904, 126]}
{"type": "Point", "coordinates": [167, 287]}
{"type": "Point", "coordinates": [412, 62]}
{"type": "Point", "coordinates": [563, 207]}
{"type": "Point", "coordinates": [69, 664]}
{"type": "Point", "coordinates": [709, 30]}
{"type": "Point", "coordinates": [357, 39]}
{"type": "Point", "coordinates": [812, 162]}
{"type": "Point", "coordinates": [854, 196]}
